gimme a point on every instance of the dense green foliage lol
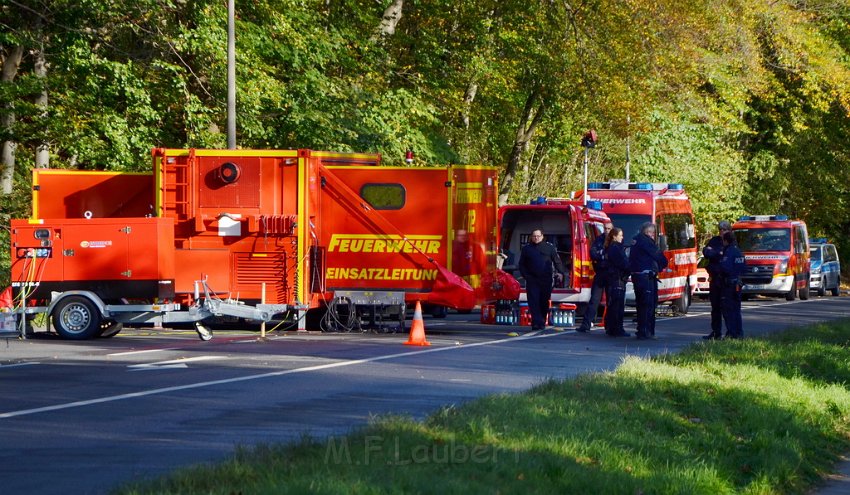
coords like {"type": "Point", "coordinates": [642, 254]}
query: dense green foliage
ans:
{"type": "Point", "coordinates": [756, 416]}
{"type": "Point", "coordinates": [745, 102]}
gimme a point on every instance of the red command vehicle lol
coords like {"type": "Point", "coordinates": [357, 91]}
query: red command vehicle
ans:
{"type": "Point", "coordinates": [569, 225]}
{"type": "Point", "coordinates": [631, 204]}
{"type": "Point", "coordinates": [777, 253]}
{"type": "Point", "coordinates": [253, 234]}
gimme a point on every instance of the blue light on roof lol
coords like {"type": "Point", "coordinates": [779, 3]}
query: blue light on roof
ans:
{"type": "Point", "coordinates": [643, 186]}
{"type": "Point", "coordinates": [676, 187]}
{"type": "Point", "coordinates": [781, 217]}
{"type": "Point", "coordinates": [595, 205]}
{"type": "Point", "coordinates": [599, 185]}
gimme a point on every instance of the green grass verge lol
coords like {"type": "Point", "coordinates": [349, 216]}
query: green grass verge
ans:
{"type": "Point", "coordinates": [752, 416]}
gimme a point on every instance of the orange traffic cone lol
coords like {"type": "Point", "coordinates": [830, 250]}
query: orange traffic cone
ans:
{"type": "Point", "coordinates": [417, 328]}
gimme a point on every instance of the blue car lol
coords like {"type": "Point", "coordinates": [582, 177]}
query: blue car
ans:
{"type": "Point", "coordinates": [826, 269]}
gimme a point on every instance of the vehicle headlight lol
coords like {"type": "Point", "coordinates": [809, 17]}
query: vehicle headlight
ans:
{"type": "Point", "coordinates": [783, 266]}
{"type": "Point", "coordinates": [815, 270]}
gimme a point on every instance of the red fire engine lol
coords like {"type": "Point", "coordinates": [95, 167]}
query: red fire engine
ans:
{"type": "Point", "coordinates": [570, 226]}
{"type": "Point", "coordinates": [630, 204]}
{"type": "Point", "coordinates": [777, 253]}
{"type": "Point", "coordinates": [253, 235]}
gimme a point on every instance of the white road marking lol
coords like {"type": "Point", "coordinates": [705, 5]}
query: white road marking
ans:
{"type": "Point", "coordinates": [172, 364]}
{"type": "Point", "coordinates": [307, 369]}
{"type": "Point", "coordinates": [16, 365]}
{"type": "Point", "coordinates": [129, 353]}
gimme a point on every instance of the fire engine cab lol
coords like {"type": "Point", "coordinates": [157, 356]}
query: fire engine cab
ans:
{"type": "Point", "coordinates": [253, 235]}
{"type": "Point", "coordinates": [777, 253]}
{"type": "Point", "coordinates": [631, 204]}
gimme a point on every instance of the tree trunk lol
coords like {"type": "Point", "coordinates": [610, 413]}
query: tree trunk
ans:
{"type": "Point", "coordinates": [42, 153]}
{"type": "Point", "coordinates": [531, 116]}
{"type": "Point", "coordinates": [389, 20]}
{"type": "Point", "coordinates": [468, 98]}
{"type": "Point", "coordinates": [7, 120]}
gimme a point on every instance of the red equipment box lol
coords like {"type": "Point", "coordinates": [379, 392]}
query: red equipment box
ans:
{"type": "Point", "coordinates": [113, 257]}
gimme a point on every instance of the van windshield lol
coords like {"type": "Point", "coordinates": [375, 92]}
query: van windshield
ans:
{"type": "Point", "coordinates": [814, 253]}
{"type": "Point", "coordinates": [754, 240]}
{"type": "Point", "coordinates": [630, 225]}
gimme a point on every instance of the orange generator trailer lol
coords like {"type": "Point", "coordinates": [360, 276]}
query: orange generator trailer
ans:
{"type": "Point", "coordinates": [319, 239]}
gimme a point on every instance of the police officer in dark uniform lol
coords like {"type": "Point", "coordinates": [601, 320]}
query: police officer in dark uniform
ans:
{"type": "Point", "coordinates": [618, 273]}
{"type": "Point", "coordinates": [645, 261]}
{"type": "Point", "coordinates": [600, 279]}
{"type": "Point", "coordinates": [536, 261]}
{"type": "Point", "coordinates": [732, 266]}
{"type": "Point", "coordinates": [713, 251]}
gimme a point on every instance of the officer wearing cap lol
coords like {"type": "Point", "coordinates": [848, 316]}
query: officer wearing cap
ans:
{"type": "Point", "coordinates": [732, 266]}
{"type": "Point", "coordinates": [713, 252]}
{"type": "Point", "coordinates": [600, 278]}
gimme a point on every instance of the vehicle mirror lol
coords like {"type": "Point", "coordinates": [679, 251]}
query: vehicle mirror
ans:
{"type": "Point", "coordinates": [662, 242]}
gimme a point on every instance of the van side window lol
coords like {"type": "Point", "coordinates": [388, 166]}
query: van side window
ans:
{"type": "Point", "coordinates": [799, 240]}
{"type": "Point", "coordinates": [679, 229]}
{"type": "Point", "coordinates": [593, 230]}
{"type": "Point", "coordinates": [829, 253]}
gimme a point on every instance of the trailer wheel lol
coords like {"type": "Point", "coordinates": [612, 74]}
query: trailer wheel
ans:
{"type": "Point", "coordinates": [76, 318]}
{"type": "Point", "coordinates": [109, 329]}
{"type": "Point", "coordinates": [439, 311]}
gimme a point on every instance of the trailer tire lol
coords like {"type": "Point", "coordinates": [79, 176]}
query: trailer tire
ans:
{"type": "Point", "coordinates": [109, 329]}
{"type": "Point", "coordinates": [76, 318]}
{"type": "Point", "coordinates": [439, 311]}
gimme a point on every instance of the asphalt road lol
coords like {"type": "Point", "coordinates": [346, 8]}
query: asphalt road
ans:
{"type": "Point", "coordinates": [83, 417]}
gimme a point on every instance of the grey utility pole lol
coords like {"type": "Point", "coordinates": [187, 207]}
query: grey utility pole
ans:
{"type": "Point", "coordinates": [231, 75]}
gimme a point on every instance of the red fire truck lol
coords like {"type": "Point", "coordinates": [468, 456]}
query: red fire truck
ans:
{"type": "Point", "coordinates": [777, 253]}
{"type": "Point", "coordinates": [211, 235]}
{"type": "Point", "coordinates": [630, 204]}
{"type": "Point", "coordinates": [570, 226]}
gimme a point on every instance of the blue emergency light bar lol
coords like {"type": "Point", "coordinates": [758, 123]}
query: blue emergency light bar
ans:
{"type": "Point", "coordinates": [818, 240]}
{"type": "Point", "coordinates": [642, 186]}
{"type": "Point", "coordinates": [539, 200]}
{"type": "Point", "coordinates": [762, 218]}
{"type": "Point", "coordinates": [676, 187]}
{"type": "Point", "coordinates": [599, 185]}
{"type": "Point", "coordinates": [595, 205]}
